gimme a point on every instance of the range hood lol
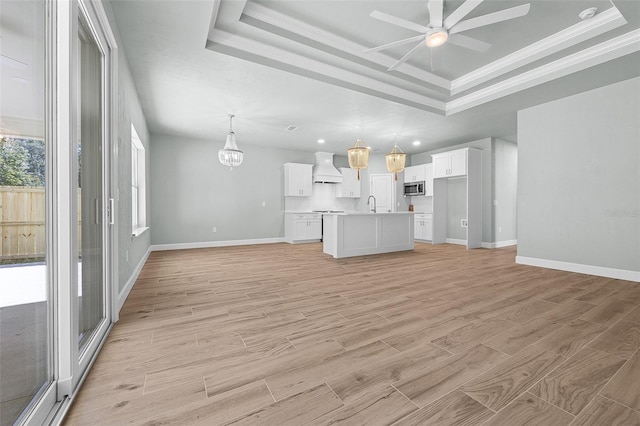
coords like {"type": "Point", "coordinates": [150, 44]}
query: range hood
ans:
{"type": "Point", "coordinates": [324, 171]}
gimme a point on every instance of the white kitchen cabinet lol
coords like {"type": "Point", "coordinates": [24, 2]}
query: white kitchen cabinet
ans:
{"type": "Point", "coordinates": [297, 179]}
{"type": "Point", "coordinates": [302, 227]}
{"type": "Point", "coordinates": [467, 163]}
{"type": "Point", "coordinates": [450, 164]}
{"type": "Point", "coordinates": [428, 181]}
{"type": "Point", "coordinates": [350, 186]}
{"type": "Point", "coordinates": [415, 173]}
{"type": "Point", "coordinates": [421, 173]}
{"type": "Point", "coordinates": [423, 226]}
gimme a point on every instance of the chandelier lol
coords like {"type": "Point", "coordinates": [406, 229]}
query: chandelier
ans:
{"type": "Point", "coordinates": [396, 160]}
{"type": "Point", "coordinates": [230, 155]}
{"type": "Point", "coordinates": [358, 156]}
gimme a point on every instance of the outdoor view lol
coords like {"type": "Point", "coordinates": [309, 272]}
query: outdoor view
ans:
{"type": "Point", "coordinates": [24, 298]}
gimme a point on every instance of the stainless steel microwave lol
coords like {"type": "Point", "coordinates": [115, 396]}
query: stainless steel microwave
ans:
{"type": "Point", "coordinates": [414, 188]}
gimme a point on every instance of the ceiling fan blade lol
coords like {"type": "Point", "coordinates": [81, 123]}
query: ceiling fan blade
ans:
{"type": "Point", "coordinates": [491, 18]}
{"type": "Point", "coordinates": [435, 13]}
{"type": "Point", "coordinates": [469, 42]}
{"type": "Point", "coordinates": [405, 57]}
{"type": "Point", "coordinates": [436, 61]}
{"type": "Point", "coordinates": [396, 43]}
{"type": "Point", "coordinates": [394, 20]}
{"type": "Point", "coordinates": [461, 12]}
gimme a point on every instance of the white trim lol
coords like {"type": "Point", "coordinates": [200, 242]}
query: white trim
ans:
{"type": "Point", "coordinates": [208, 244]}
{"type": "Point", "coordinates": [355, 81]}
{"type": "Point", "coordinates": [139, 231]}
{"type": "Point", "coordinates": [595, 55]}
{"type": "Point", "coordinates": [456, 241]}
{"type": "Point", "coordinates": [330, 39]}
{"type": "Point", "coordinates": [621, 274]}
{"type": "Point", "coordinates": [124, 293]}
{"type": "Point", "coordinates": [499, 244]}
{"type": "Point", "coordinates": [584, 30]}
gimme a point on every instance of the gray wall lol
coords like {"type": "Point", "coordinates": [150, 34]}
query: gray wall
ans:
{"type": "Point", "coordinates": [193, 192]}
{"type": "Point", "coordinates": [579, 178]}
{"type": "Point", "coordinates": [129, 111]}
{"type": "Point", "coordinates": [505, 190]}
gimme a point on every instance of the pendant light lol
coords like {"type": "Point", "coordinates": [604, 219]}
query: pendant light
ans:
{"type": "Point", "coordinates": [396, 160]}
{"type": "Point", "coordinates": [230, 155]}
{"type": "Point", "coordinates": [358, 156]}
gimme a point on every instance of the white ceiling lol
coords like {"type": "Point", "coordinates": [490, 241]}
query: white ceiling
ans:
{"type": "Point", "coordinates": [301, 62]}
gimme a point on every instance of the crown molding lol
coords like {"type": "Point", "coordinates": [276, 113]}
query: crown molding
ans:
{"type": "Point", "coordinates": [283, 59]}
{"type": "Point", "coordinates": [589, 57]}
{"type": "Point", "coordinates": [585, 30]}
{"type": "Point", "coordinates": [337, 43]}
{"type": "Point", "coordinates": [348, 66]}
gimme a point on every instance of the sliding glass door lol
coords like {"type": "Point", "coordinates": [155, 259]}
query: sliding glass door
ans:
{"type": "Point", "coordinates": [56, 104]}
{"type": "Point", "coordinates": [26, 308]}
{"type": "Point", "coordinates": [90, 195]}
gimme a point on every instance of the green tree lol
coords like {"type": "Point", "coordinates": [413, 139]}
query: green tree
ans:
{"type": "Point", "coordinates": [22, 162]}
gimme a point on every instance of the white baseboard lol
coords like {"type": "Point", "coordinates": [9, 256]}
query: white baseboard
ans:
{"type": "Point", "coordinates": [620, 274]}
{"type": "Point", "coordinates": [499, 244]}
{"type": "Point", "coordinates": [456, 241]}
{"type": "Point", "coordinates": [124, 293]}
{"type": "Point", "coordinates": [208, 244]}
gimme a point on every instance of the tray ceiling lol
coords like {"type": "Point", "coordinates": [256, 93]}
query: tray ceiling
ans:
{"type": "Point", "coordinates": [326, 40]}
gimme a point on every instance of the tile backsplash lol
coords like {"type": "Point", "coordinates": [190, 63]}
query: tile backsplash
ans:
{"type": "Point", "coordinates": [323, 197]}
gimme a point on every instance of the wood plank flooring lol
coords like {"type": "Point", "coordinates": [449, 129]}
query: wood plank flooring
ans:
{"type": "Point", "coordinates": [284, 335]}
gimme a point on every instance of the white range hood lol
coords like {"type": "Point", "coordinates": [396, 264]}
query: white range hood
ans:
{"type": "Point", "coordinates": [324, 171]}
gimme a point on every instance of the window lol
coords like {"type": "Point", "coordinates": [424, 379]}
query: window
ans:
{"type": "Point", "coordinates": [138, 185]}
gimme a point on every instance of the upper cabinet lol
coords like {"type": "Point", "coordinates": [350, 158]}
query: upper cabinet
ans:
{"type": "Point", "coordinates": [450, 164]}
{"type": "Point", "coordinates": [421, 173]}
{"type": "Point", "coordinates": [350, 186]}
{"type": "Point", "coordinates": [428, 181]}
{"type": "Point", "coordinates": [415, 173]}
{"type": "Point", "coordinates": [297, 180]}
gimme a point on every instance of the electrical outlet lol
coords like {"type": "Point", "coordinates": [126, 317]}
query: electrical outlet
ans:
{"type": "Point", "coordinates": [464, 223]}
{"type": "Point", "coordinates": [215, 229]}
{"type": "Point", "coordinates": [126, 255]}
{"type": "Point", "coordinates": [495, 202]}
{"type": "Point", "coordinates": [499, 228]}
{"type": "Point", "coordinates": [264, 203]}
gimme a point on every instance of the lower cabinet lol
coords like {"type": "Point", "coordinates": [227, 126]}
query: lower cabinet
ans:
{"type": "Point", "coordinates": [423, 226]}
{"type": "Point", "coordinates": [302, 227]}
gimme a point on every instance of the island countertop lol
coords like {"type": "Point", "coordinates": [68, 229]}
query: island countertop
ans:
{"type": "Point", "coordinates": [366, 213]}
{"type": "Point", "coordinates": [362, 233]}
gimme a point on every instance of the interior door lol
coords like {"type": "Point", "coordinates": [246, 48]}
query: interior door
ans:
{"type": "Point", "coordinates": [382, 187]}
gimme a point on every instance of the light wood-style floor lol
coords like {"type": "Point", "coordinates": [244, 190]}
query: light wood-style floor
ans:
{"type": "Point", "coordinates": [285, 335]}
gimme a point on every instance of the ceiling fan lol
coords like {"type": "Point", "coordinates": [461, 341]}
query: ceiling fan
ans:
{"type": "Point", "coordinates": [441, 31]}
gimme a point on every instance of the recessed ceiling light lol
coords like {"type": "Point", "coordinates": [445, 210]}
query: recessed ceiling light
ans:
{"type": "Point", "coordinates": [320, 140]}
{"type": "Point", "coordinates": [588, 13]}
{"type": "Point", "coordinates": [416, 143]}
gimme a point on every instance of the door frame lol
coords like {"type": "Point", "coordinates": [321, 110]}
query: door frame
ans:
{"type": "Point", "coordinates": [392, 185]}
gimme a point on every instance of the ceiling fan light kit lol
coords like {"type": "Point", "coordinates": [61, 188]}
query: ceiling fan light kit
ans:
{"type": "Point", "coordinates": [437, 37]}
{"type": "Point", "coordinates": [437, 32]}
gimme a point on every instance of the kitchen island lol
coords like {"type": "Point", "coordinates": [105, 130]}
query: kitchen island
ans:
{"type": "Point", "coordinates": [359, 234]}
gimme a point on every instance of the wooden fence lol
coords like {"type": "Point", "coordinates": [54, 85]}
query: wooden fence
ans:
{"type": "Point", "coordinates": [22, 220]}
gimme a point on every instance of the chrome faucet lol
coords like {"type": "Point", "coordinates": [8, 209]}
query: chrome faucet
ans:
{"type": "Point", "coordinates": [373, 210]}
